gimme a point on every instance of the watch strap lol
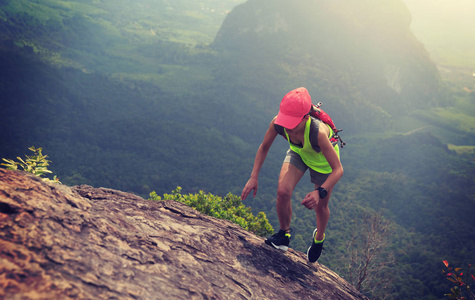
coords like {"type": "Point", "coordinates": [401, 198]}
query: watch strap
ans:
{"type": "Point", "coordinates": [322, 192]}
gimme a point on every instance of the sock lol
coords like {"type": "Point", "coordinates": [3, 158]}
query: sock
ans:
{"type": "Point", "coordinates": [318, 242]}
{"type": "Point", "coordinates": [287, 233]}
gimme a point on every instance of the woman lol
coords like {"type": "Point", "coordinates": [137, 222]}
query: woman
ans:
{"type": "Point", "coordinates": [310, 148]}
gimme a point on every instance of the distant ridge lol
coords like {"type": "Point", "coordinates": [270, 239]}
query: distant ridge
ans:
{"type": "Point", "coordinates": [357, 55]}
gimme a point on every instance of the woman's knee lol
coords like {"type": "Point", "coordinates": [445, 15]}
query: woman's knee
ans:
{"type": "Point", "coordinates": [283, 193]}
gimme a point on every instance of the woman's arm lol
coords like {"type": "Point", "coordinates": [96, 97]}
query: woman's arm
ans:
{"type": "Point", "coordinates": [252, 183]}
{"type": "Point", "coordinates": [312, 199]}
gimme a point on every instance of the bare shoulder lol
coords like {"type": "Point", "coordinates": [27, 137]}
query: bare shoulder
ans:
{"type": "Point", "coordinates": [272, 123]}
{"type": "Point", "coordinates": [324, 130]}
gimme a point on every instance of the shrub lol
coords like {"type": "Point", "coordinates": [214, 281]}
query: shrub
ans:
{"type": "Point", "coordinates": [228, 208]}
{"type": "Point", "coordinates": [36, 164]}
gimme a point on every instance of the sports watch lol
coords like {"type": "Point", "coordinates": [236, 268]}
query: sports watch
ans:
{"type": "Point", "coordinates": [322, 192]}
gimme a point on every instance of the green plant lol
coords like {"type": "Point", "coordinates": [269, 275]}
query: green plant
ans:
{"type": "Point", "coordinates": [36, 164]}
{"type": "Point", "coordinates": [228, 208]}
{"type": "Point", "coordinates": [461, 290]}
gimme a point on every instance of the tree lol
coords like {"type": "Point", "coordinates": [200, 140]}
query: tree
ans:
{"type": "Point", "coordinates": [368, 268]}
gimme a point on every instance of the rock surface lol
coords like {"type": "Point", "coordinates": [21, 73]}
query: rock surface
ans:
{"type": "Point", "coordinates": [60, 242]}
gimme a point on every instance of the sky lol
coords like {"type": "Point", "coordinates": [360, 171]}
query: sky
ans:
{"type": "Point", "coordinates": [446, 28]}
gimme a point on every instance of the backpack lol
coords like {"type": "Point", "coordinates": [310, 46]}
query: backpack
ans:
{"type": "Point", "coordinates": [318, 113]}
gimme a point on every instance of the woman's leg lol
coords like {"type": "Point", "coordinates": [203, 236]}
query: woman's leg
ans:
{"type": "Point", "coordinates": [288, 179]}
{"type": "Point", "coordinates": [322, 212]}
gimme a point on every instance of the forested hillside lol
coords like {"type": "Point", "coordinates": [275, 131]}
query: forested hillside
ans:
{"type": "Point", "coordinates": [149, 95]}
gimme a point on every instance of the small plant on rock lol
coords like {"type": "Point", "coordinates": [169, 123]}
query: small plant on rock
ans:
{"type": "Point", "coordinates": [36, 164]}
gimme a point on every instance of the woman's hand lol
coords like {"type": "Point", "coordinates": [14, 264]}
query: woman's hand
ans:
{"type": "Point", "coordinates": [250, 185]}
{"type": "Point", "coordinates": [311, 200]}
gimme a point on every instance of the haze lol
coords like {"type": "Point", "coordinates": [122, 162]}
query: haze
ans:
{"type": "Point", "coordinates": [446, 28]}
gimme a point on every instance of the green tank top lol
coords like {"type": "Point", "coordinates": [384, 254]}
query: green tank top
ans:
{"type": "Point", "coordinates": [314, 160]}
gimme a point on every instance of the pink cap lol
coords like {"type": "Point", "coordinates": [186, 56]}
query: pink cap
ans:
{"type": "Point", "coordinates": [293, 107]}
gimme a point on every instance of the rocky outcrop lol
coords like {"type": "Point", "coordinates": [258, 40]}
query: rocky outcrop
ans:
{"type": "Point", "coordinates": [60, 242]}
{"type": "Point", "coordinates": [355, 54]}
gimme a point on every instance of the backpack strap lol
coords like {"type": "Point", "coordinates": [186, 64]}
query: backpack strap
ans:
{"type": "Point", "coordinates": [314, 129]}
{"type": "Point", "coordinates": [280, 130]}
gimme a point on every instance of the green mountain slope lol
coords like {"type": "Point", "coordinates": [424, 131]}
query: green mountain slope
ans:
{"type": "Point", "coordinates": [83, 79]}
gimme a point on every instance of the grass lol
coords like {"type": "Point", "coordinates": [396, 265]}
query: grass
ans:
{"type": "Point", "coordinates": [454, 124]}
{"type": "Point", "coordinates": [54, 9]}
{"type": "Point", "coordinates": [462, 149]}
{"type": "Point", "coordinates": [455, 118]}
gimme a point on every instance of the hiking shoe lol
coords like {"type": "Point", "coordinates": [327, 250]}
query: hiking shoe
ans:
{"type": "Point", "coordinates": [314, 251]}
{"type": "Point", "coordinates": [280, 240]}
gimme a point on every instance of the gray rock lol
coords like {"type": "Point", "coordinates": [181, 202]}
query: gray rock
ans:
{"type": "Point", "coordinates": [60, 242]}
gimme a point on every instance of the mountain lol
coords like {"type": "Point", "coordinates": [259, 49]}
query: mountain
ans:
{"type": "Point", "coordinates": [95, 87]}
{"type": "Point", "coordinates": [81, 243]}
{"type": "Point", "coordinates": [83, 80]}
{"type": "Point", "coordinates": [360, 58]}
